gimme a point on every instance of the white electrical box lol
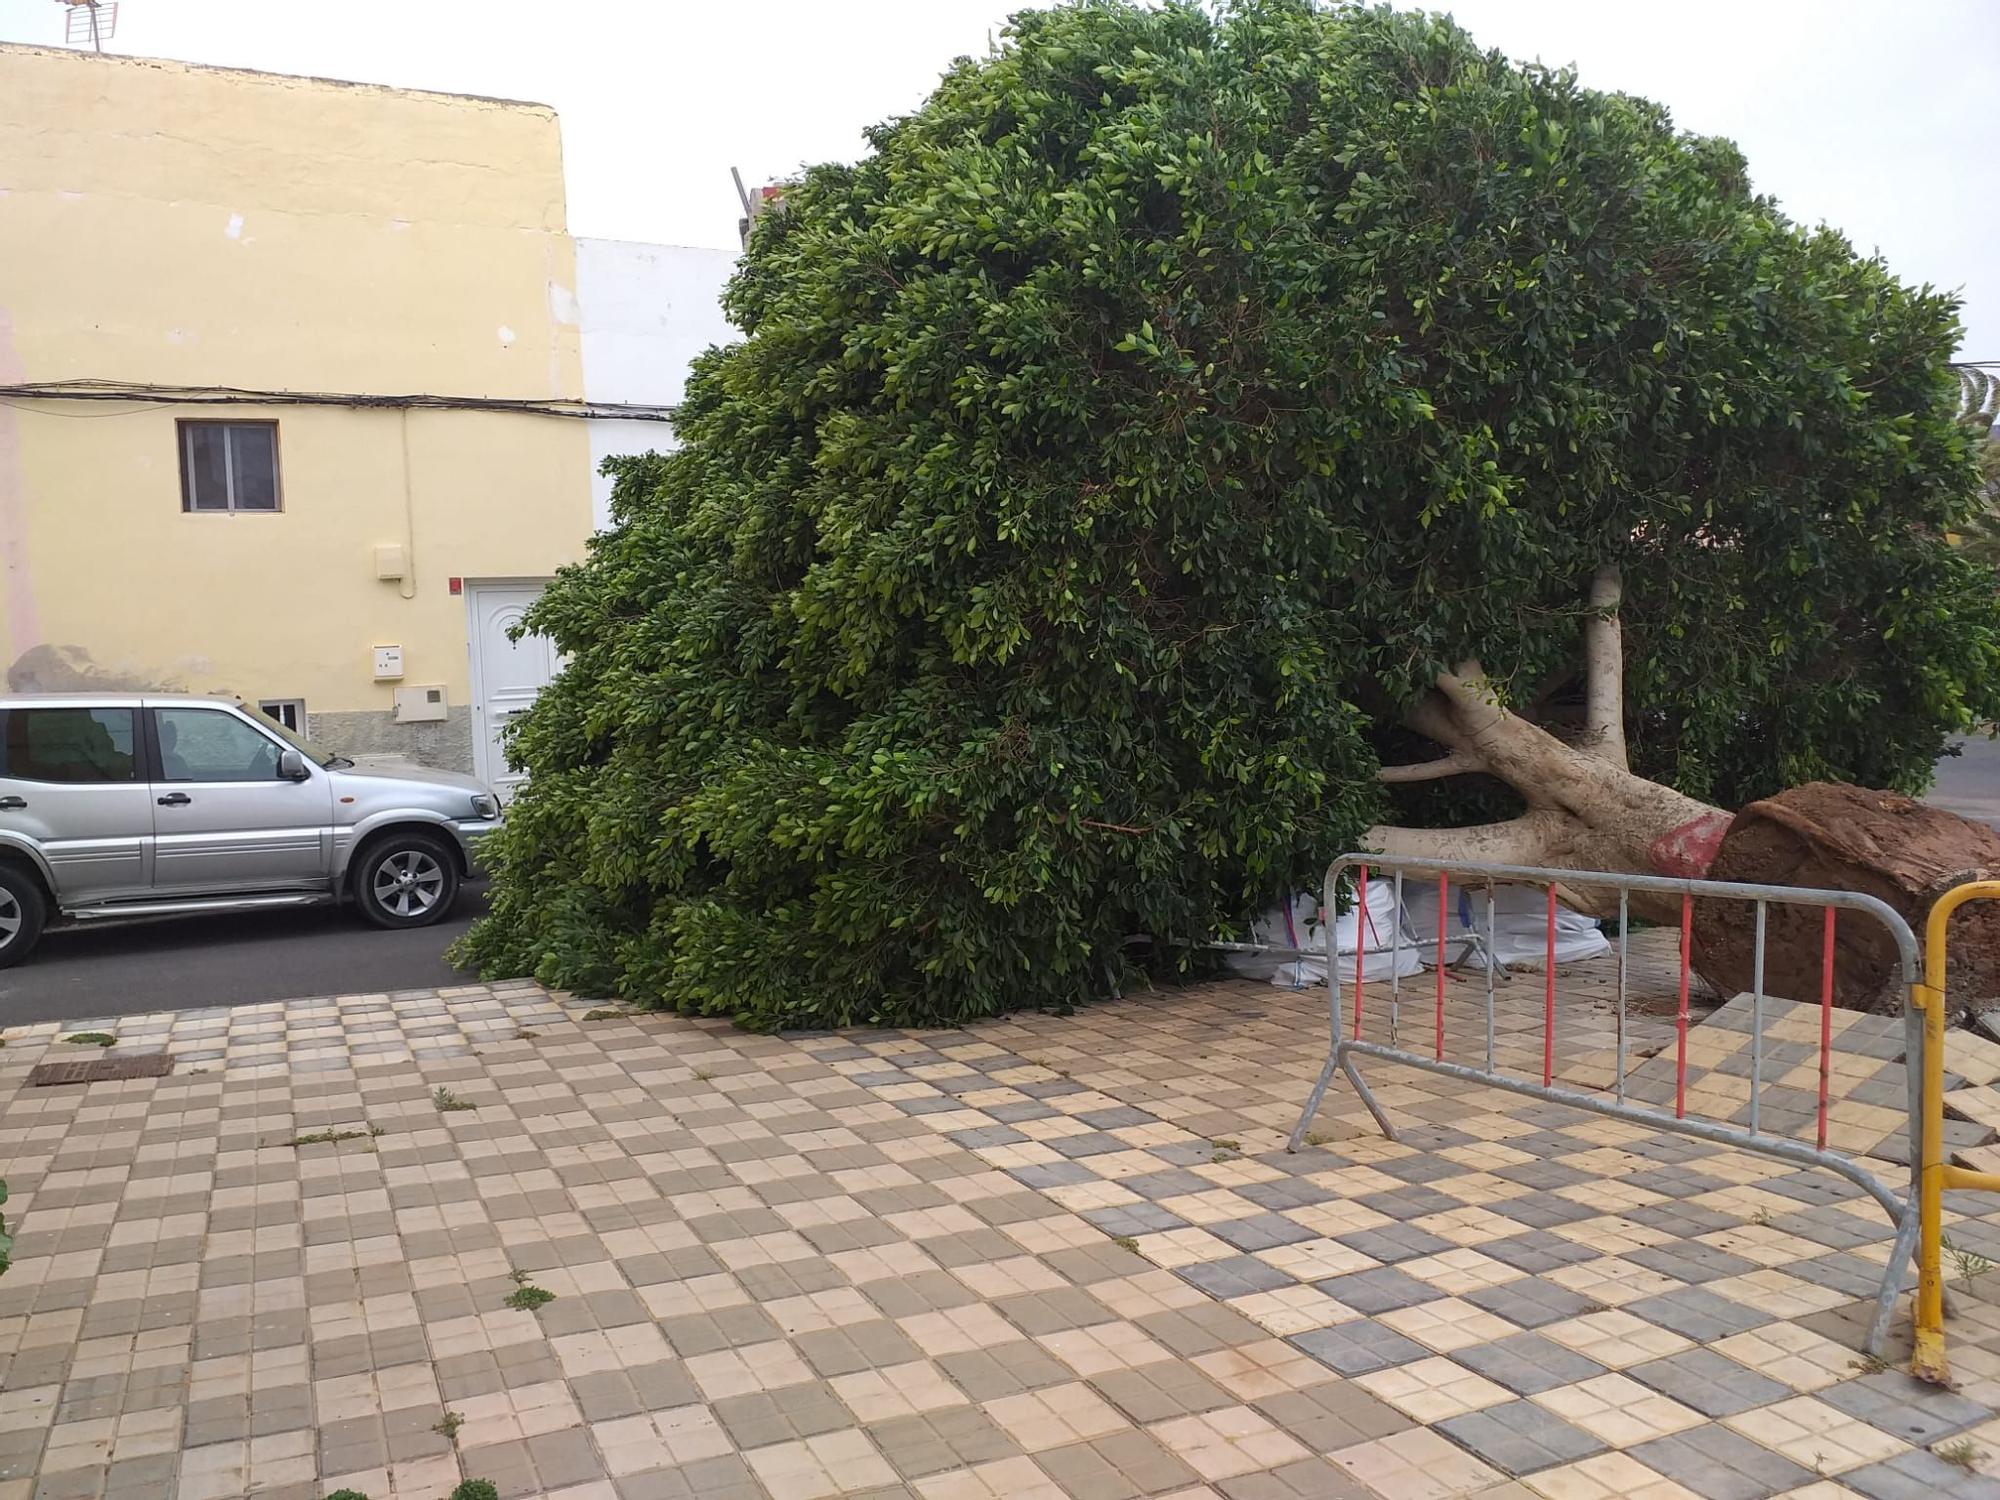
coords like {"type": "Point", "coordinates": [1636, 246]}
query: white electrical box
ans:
{"type": "Point", "coordinates": [390, 563]}
{"type": "Point", "coordinates": [388, 663]}
{"type": "Point", "coordinates": [419, 705]}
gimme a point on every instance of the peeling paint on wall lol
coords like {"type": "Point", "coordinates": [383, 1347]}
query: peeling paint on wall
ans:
{"type": "Point", "coordinates": [72, 669]}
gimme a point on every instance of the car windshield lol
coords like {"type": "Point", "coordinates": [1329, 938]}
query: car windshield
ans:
{"type": "Point", "coordinates": [319, 754]}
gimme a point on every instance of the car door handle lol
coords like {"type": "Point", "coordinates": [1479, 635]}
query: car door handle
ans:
{"type": "Point", "coordinates": [12, 804]}
{"type": "Point", "coordinates": [175, 799]}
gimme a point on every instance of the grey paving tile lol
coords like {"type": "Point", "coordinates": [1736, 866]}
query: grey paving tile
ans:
{"type": "Point", "coordinates": [1161, 1390]}
{"type": "Point", "coordinates": [1684, 1219]}
{"type": "Point", "coordinates": [1719, 1464]}
{"type": "Point", "coordinates": [1531, 1302]}
{"type": "Point", "coordinates": [1121, 1466]}
{"type": "Point", "coordinates": [1543, 1210]}
{"type": "Point", "coordinates": [1308, 1479]}
{"type": "Point", "coordinates": [1332, 1415]}
{"type": "Point", "coordinates": [1690, 1261]}
{"type": "Point", "coordinates": [1697, 1314]}
{"type": "Point", "coordinates": [1005, 1370]}
{"type": "Point", "coordinates": [1422, 1166]}
{"type": "Point", "coordinates": [1847, 1273]}
{"type": "Point", "coordinates": [1358, 1348]}
{"type": "Point", "coordinates": [1920, 1475]}
{"type": "Point", "coordinates": [1393, 1242]}
{"type": "Point", "coordinates": [1236, 1276]}
{"type": "Point", "coordinates": [1377, 1290]}
{"type": "Point", "coordinates": [1411, 1202]}
{"type": "Point", "coordinates": [1536, 1251]}
{"type": "Point", "coordinates": [1711, 1383]}
{"type": "Point", "coordinates": [1134, 1219]}
{"type": "Point", "coordinates": [931, 1442]}
{"type": "Point", "coordinates": [1519, 1437]}
{"type": "Point", "coordinates": [1527, 1363]}
{"type": "Point", "coordinates": [1261, 1231]}
{"type": "Point", "coordinates": [1914, 1410]}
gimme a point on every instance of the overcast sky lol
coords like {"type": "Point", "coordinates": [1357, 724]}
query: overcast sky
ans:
{"type": "Point", "coordinates": [1882, 119]}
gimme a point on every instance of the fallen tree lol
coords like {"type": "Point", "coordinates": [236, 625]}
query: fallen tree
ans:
{"type": "Point", "coordinates": [1191, 445]}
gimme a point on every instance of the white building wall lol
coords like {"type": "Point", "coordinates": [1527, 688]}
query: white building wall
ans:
{"type": "Point", "coordinates": [645, 311]}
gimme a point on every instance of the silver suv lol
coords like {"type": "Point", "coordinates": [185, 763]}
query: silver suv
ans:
{"type": "Point", "coordinates": [117, 806]}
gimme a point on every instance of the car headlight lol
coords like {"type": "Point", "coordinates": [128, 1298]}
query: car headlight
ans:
{"type": "Point", "coordinates": [485, 805]}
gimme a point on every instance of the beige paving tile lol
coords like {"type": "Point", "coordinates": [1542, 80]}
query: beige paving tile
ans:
{"type": "Point", "coordinates": [1447, 1324]}
{"type": "Point", "coordinates": [1616, 1339]}
{"type": "Point", "coordinates": [1055, 1417]}
{"type": "Point", "coordinates": [1618, 1410]}
{"type": "Point", "coordinates": [1002, 1479]}
{"type": "Point", "coordinates": [1802, 1359]}
{"type": "Point", "coordinates": [1433, 1390]}
{"type": "Point", "coordinates": [832, 1463]}
{"type": "Point", "coordinates": [1417, 1465]}
{"type": "Point", "coordinates": [1823, 1439]}
{"type": "Point", "coordinates": [1222, 1444]}
{"type": "Point", "coordinates": [1608, 1476]}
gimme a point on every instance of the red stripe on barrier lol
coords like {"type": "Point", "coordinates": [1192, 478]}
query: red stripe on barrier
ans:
{"type": "Point", "coordinates": [1360, 939]}
{"type": "Point", "coordinates": [1825, 1021]}
{"type": "Point", "coordinates": [1681, 1011]}
{"type": "Point", "coordinates": [1549, 1001]}
{"type": "Point", "coordinates": [1444, 897]}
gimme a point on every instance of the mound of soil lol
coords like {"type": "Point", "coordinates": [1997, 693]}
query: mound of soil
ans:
{"type": "Point", "coordinates": [1842, 837]}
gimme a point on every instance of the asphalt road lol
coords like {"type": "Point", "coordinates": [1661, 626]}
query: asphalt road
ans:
{"type": "Point", "coordinates": [85, 972]}
{"type": "Point", "coordinates": [1969, 783]}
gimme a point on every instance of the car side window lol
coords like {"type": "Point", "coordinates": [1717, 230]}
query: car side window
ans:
{"type": "Point", "coordinates": [76, 745]}
{"type": "Point", "coordinates": [206, 744]}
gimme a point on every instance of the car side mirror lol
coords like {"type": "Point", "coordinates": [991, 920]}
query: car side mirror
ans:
{"type": "Point", "coordinates": [292, 765]}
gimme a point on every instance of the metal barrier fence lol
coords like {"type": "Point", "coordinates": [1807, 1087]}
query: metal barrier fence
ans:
{"type": "Point", "coordinates": [1935, 1174]}
{"type": "Point", "coordinates": [1343, 1050]}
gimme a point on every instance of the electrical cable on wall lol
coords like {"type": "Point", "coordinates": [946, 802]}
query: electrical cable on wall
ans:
{"type": "Point", "coordinates": [229, 395]}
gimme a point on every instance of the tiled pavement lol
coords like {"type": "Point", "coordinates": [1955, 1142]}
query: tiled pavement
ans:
{"type": "Point", "coordinates": [1042, 1257]}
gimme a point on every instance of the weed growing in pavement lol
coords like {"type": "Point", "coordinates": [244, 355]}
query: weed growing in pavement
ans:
{"type": "Point", "coordinates": [91, 1039]}
{"type": "Point", "coordinates": [447, 1101]}
{"type": "Point", "coordinates": [1971, 1264]}
{"type": "Point", "coordinates": [1317, 1138]}
{"type": "Point", "coordinates": [332, 1137]}
{"type": "Point", "coordinates": [603, 1013]}
{"type": "Point", "coordinates": [528, 1298]}
{"type": "Point", "coordinates": [1125, 1242]}
{"type": "Point", "coordinates": [1964, 1453]}
{"type": "Point", "coordinates": [347, 1495]}
{"type": "Point", "coordinates": [476, 1489]}
{"type": "Point", "coordinates": [447, 1426]}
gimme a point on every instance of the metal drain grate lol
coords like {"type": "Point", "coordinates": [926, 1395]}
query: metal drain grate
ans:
{"type": "Point", "coordinates": [100, 1070]}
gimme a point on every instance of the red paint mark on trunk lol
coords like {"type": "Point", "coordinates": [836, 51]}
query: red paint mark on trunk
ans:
{"type": "Point", "coordinates": [1690, 849]}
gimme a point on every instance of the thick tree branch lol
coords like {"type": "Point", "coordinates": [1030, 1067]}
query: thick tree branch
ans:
{"type": "Point", "coordinates": [1604, 671]}
{"type": "Point", "coordinates": [1525, 840]}
{"type": "Point", "coordinates": [1454, 764]}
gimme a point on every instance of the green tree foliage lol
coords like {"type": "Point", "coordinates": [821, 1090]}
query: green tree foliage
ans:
{"type": "Point", "coordinates": [1149, 416]}
{"type": "Point", "coordinates": [1979, 412]}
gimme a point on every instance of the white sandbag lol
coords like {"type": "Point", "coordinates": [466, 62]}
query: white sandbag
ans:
{"type": "Point", "coordinates": [1297, 925]}
{"type": "Point", "coordinates": [1520, 926]}
{"type": "Point", "coordinates": [1285, 926]}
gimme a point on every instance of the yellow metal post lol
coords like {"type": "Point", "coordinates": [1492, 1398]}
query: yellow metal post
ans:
{"type": "Point", "coordinates": [1928, 1362]}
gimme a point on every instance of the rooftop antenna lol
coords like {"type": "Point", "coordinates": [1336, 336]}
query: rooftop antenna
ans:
{"type": "Point", "coordinates": [91, 21]}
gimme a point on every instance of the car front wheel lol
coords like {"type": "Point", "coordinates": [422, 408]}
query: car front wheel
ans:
{"type": "Point", "coordinates": [22, 912]}
{"type": "Point", "coordinates": [406, 880]}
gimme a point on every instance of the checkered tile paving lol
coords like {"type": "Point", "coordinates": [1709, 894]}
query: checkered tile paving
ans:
{"type": "Point", "coordinates": [1043, 1257]}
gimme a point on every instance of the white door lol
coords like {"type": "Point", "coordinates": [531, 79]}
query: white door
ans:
{"type": "Point", "coordinates": [507, 675]}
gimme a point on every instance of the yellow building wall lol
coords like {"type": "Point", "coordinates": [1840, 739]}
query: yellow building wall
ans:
{"type": "Point", "coordinates": [170, 224]}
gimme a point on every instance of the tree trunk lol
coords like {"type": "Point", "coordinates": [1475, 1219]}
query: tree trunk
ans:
{"type": "Point", "coordinates": [1586, 810]}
